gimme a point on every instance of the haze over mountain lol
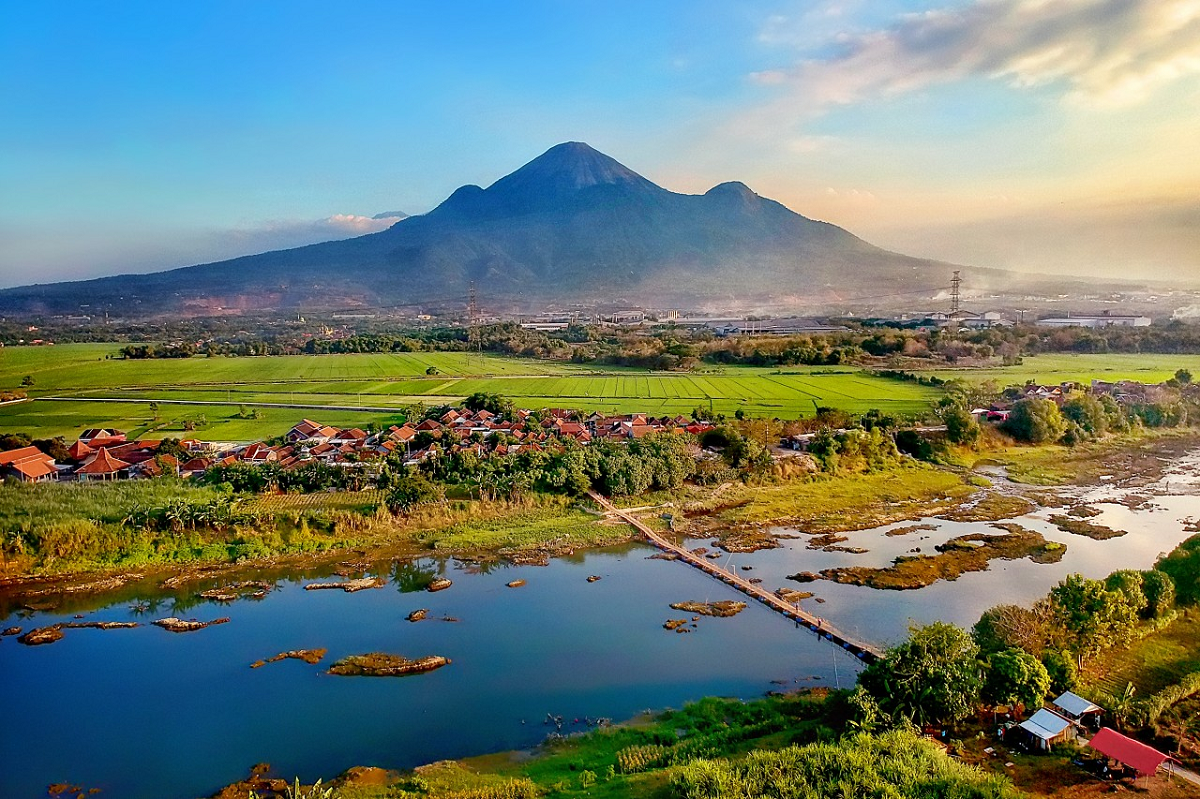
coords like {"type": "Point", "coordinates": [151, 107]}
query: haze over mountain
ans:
{"type": "Point", "coordinates": [573, 225]}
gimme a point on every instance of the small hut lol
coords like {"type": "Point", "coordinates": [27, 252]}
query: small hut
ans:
{"type": "Point", "coordinates": [1046, 728]}
{"type": "Point", "coordinates": [1079, 710]}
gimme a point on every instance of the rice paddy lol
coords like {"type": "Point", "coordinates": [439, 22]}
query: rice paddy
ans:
{"type": "Point", "coordinates": [1083, 368]}
{"type": "Point", "coordinates": [369, 388]}
{"type": "Point", "coordinates": [81, 376]}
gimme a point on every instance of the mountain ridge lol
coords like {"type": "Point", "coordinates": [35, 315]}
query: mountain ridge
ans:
{"type": "Point", "coordinates": [571, 225]}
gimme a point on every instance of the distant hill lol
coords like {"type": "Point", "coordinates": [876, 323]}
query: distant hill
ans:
{"type": "Point", "coordinates": [573, 225]}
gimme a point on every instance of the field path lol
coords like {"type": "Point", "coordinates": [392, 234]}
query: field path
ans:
{"type": "Point", "coordinates": [293, 405]}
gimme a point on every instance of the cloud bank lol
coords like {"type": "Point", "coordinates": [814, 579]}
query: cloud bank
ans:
{"type": "Point", "coordinates": [1101, 52]}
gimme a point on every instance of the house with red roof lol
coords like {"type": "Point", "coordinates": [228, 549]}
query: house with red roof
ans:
{"type": "Point", "coordinates": [80, 451]}
{"type": "Point", "coordinates": [102, 466]}
{"type": "Point", "coordinates": [100, 434]}
{"type": "Point", "coordinates": [155, 467]}
{"type": "Point", "coordinates": [258, 453]}
{"type": "Point", "coordinates": [28, 464]}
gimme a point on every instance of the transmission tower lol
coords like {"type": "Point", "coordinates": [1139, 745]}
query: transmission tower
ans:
{"type": "Point", "coordinates": [955, 296]}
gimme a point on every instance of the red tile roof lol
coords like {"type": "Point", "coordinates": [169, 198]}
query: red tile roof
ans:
{"type": "Point", "coordinates": [103, 463]}
{"type": "Point", "coordinates": [34, 469]}
{"type": "Point", "coordinates": [79, 451]}
{"type": "Point", "coordinates": [24, 453]}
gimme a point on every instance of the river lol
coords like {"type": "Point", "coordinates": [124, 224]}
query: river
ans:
{"type": "Point", "coordinates": [144, 713]}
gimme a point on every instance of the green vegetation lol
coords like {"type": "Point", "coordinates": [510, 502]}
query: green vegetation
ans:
{"type": "Point", "coordinates": [396, 380]}
{"type": "Point", "coordinates": [930, 678]}
{"type": "Point", "coordinates": [556, 526]}
{"type": "Point", "coordinates": [801, 745]}
{"type": "Point", "coordinates": [54, 528]}
{"type": "Point", "coordinates": [1056, 368]}
{"type": "Point", "coordinates": [1183, 567]}
{"type": "Point", "coordinates": [66, 528]}
{"type": "Point", "coordinates": [895, 763]}
{"type": "Point", "coordinates": [845, 502]}
{"type": "Point", "coordinates": [966, 553]}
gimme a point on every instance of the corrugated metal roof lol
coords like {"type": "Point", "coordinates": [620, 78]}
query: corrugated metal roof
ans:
{"type": "Point", "coordinates": [1075, 704]}
{"type": "Point", "coordinates": [1045, 724]}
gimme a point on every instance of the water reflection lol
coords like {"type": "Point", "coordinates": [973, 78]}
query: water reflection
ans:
{"type": "Point", "coordinates": [147, 713]}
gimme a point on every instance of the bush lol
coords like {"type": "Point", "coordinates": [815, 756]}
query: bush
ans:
{"type": "Point", "coordinates": [1035, 421]}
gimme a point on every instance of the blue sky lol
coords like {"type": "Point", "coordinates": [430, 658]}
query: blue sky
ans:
{"type": "Point", "coordinates": [139, 136]}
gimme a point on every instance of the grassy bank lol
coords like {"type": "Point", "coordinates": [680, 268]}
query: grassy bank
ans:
{"type": "Point", "coordinates": [782, 746]}
{"type": "Point", "coordinates": [836, 503]}
{"type": "Point", "coordinates": [56, 529]}
{"type": "Point", "coordinates": [1133, 455]}
{"type": "Point", "coordinates": [62, 529]}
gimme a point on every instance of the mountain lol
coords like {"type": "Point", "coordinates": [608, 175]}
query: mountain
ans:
{"type": "Point", "coordinates": [573, 225]}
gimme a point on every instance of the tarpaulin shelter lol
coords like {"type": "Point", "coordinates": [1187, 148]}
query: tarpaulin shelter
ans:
{"type": "Point", "coordinates": [1135, 754]}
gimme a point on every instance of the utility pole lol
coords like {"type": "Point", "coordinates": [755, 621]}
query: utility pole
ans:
{"type": "Point", "coordinates": [474, 337]}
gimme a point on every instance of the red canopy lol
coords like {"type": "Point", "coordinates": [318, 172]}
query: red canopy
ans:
{"type": "Point", "coordinates": [1135, 754]}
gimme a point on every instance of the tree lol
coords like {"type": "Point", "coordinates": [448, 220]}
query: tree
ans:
{"type": "Point", "coordinates": [911, 442]}
{"type": "Point", "coordinates": [1183, 377]}
{"type": "Point", "coordinates": [932, 677]}
{"type": "Point", "coordinates": [1087, 412]}
{"type": "Point", "coordinates": [1036, 421]}
{"type": "Point", "coordinates": [54, 447]}
{"type": "Point", "coordinates": [1159, 590]}
{"type": "Point", "coordinates": [1093, 617]}
{"type": "Point", "coordinates": [961, 426]}
{"type": "Point", "coordinates": [154, 411]}
{"type": "Point", "coordinates": [494, 403]}
{"type": "Point", "coordinates": [14, 441]}
{"type": "Point", "coordinates": [27, 381]}
{"type": "Point", "coordinates": [409, 488]}
{"type": "Point", "coordinates": [824, 449]}
{"type": "Point", "coordinates": [1130, 583]}
{"type": "Point", "coordinates": [432, 370]}
{"type": "Point", "coordinates": [1013, 626]}
{"type": "Point", "coordinates": [1064, 674]}
{"type": "Point", "coordinates": [1015, 677]}
{"type": "Point", "coordinates": [1183, 567]}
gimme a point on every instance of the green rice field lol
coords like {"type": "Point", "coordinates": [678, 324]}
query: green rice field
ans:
{"type": "Point", "coordinates": [80, 376]}
{"type": "Point", "coordinates": [363, 389]}
{"type": "Point", "coordinates": [1058, 368]}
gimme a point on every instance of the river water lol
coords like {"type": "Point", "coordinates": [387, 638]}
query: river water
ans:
{"type": "Point", "coordinates": [145, 713]}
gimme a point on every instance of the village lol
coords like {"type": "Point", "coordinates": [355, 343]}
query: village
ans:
{"type": "Point", "coordinates": [100, 454]}
{"type": "Point", "coordinates": [108, 454]}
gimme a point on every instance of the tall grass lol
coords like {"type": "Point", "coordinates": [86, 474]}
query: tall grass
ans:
{"type": "Point", "coordinates": [63, 527]}
{"type": "Point", "coordinates": [894, 764]}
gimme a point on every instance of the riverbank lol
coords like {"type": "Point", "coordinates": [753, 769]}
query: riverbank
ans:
{"type": "Point", "coordinates": [95, 551]}
{"type": "Point", "coordinates": [722, 748]}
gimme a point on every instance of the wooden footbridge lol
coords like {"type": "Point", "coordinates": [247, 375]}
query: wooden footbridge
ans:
{"type": "Point", "coordinates": [862, 650]}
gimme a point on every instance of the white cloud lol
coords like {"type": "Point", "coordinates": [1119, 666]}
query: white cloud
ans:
{"type": "Point", "coordinates": [338, 226]}
{"type": "Point", "coordinates": [1104, 52]}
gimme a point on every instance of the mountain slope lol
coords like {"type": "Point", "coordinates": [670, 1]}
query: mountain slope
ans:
{"type": "Point", "coordinates": [571, 225]}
